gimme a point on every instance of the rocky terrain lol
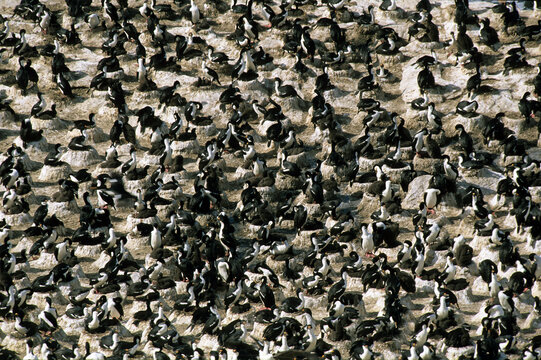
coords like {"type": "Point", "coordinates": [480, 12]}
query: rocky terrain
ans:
{"type": "Point", "coordinates": [395, 92]}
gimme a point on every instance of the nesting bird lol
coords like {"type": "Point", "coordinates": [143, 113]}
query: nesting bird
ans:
{"type": "Point", "coordinates": [228, 227]}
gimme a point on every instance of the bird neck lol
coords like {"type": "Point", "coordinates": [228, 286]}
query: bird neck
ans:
{"type": "Point", "coordinates": [392, 44]}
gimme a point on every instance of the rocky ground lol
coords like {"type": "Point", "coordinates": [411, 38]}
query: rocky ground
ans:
{"type": "Point", "coordinates": [395, 93]}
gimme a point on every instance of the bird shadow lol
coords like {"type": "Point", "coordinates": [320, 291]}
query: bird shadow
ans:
{"type": "Point", "coordinates": [93, 49]}
{"type": "Point", "coordinates": [385, 96]}
{"type": "Point", "coordinates": [129, 13]}
{"type": "Point", "coordinates": [77, 75]}
{"type": "Point", "coordinates": [41, 198]}
{"type": "Point", "coordinates": [479, 12]}
{"type": "Point", "coordinates": [490, 60]}
{"type": "Point", "coordinates": [76, 100]}
{"type": "Point", "coordinates": [9, 80]}
{"type": "Point", "coordinates": [5, 133]}
{"type": "Point", "coordinates": [86, 259]}
{"type": "Point", "coordinates": [41, 184]}
{"type": "Point", "coordinates": [130, 78]}
{"type": "Point", "coordinates": [444, 89]}
{"type": "Point", "coordinates": [343, 119]}
{"type": "Point", "coordinates": [486, 89]}
{"type": "Point", "coordinates": [308, 74]}
{"type": "Point", "coordinates": [61, 335]}
{"type": "Point", "coordinates": [188, 160]}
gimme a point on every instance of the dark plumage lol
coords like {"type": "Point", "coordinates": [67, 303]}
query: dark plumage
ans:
{"type": "Point", "coordinates": [425, 79]}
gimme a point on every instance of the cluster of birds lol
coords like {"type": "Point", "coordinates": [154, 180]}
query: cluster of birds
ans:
{"type": "Point", "coordinates": [301, 227]}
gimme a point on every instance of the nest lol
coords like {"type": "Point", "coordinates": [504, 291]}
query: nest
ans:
{"type": "Point", "coordinates": [48, 125]}
{"type": "Point", "coordinates": [81, 158]}
{"type": "Point", "coordinates": [286, 182]}
{"type": "Point", "coordinates": [137, 242]}
{"type": "Point", "coordinates": [326, 170]}
{"type": "Point", "coordinates": [182, 147]}
{"type": "Point", "coordinates": [94, 135]}
{"type": "Point", "coordinates": [17, 219]}
{"type": "Point", "coordinates": [267, 193]}
{"type": "Point", "coordinates": [29, 164]}
{"type": "Point", "coordinates": [394, 174]}
{"type": "Point", "coordinates": [71, 327]}
{"type": "Point", "coordinates": [206, 130]}
{"type": "Point", "coordinates": [425, 163]}
{"type": "Point", "coordinates": [31, 198]}
{"type": "Point", "coordinates": [131, 186]}
{"type": "Point", "coordinates": [54, 173]}
{"type": "Point", "coordinates": [132, 222]}
{"type": "Point", "coordinates": [90, 251]}
{"type": "Point", "coordinates": [45, 261]}
{"type": "Point", "coordinates": [36, 148]}
{"type": "Point", "coordinates": [148, 159]}
{"type": "Point", "coordinates": [7, 120]}
{"type": "Point", "coordinates": [242, 174]}
{"type": "Point", "coordinates": [165, 210]}
{"type": "Point", "coordinates": [416, 191]}
{"type": "Point", "coordinates": [63, 209]}
{"type": "Point", "coordinates": [111, 171]}
{"type": "Point", "coordinates": [187, 230]}
{"type": "Point", "coordinates": [302, 160]}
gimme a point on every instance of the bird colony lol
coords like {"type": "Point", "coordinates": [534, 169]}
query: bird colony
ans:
{"type": "Point", "coordinates": [304, 179]}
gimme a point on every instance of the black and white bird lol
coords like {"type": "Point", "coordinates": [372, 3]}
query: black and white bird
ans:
{"type": "Point", "coordinates": [212, 74]}
{"type": "Point", "coordinates": [85, 124]}
{"type": "Point", "coordinates": [431, 198]}
{"type": "Point", "coordinates": [487, 34]}
{"type": "Point", "coordinates": [40, 106]}
{"type": "Point", "coordinates": [77, 143]}
{"type": "Point", "coordinates": [64, 85]}
{"type": "Point", "coordinates": [284, 90]}
{"type": "Point", "coordinates": [130, 164]}
{"type": "Point", "coordinates": [47, 317]}
{"type": "Point", "coordinates": [195, 14]}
